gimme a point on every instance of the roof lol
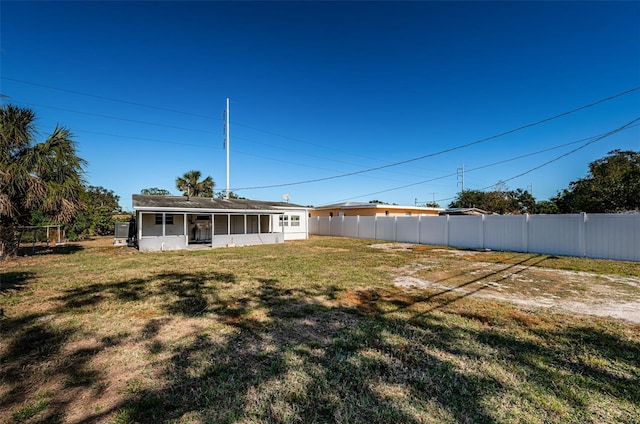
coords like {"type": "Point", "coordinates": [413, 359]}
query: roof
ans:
{"type": "Point", "coordinates": [465, 211]}
{"type": "Point", "coordinates": [358, 205]}
{"type": "Point", "coordinates": [184, 203]}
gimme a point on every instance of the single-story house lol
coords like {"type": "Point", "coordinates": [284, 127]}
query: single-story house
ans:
{"type": "Point", "coordinates": [465, 211]}
{"type": "Point", "coordinates": [371, 209]}
{"type": "Point", "coordinates": [178, 222]}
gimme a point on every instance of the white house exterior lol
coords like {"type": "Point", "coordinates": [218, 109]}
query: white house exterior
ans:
{"type": "Point", "coordinates": [178, 222]}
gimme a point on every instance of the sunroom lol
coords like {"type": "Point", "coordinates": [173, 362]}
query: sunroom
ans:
{"type": "Point", "coordinates": [180, 222]}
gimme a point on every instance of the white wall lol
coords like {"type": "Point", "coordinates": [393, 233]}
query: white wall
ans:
{"type": "Point", "coordinates": [292, 232]}
{"type": "Point", "coordinates": [605, 236]}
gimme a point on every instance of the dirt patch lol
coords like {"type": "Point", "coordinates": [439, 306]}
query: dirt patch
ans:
{"type": "Point", "coordinates": [450, 271]}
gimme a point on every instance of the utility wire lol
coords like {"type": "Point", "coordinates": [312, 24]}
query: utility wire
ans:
{"type": "Point", "coordinates": [114, 117]}
{"type": "Point", "coordinates": [153, 140]}
{"type": "Point", "coordinates": [482, 140]}
{"type": "Point", "coordinates": [610, 133]}
{"type": "Point", "coordinates": [109, 98]}
{"type": "Point", "coordinates": [185, 113]}
{"type": "Point", "coordinates": [314, 144]}
{"type": "Point", "coordinates": [592, 140]}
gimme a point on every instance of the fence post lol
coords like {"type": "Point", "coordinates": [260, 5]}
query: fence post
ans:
{"type": "Point", "coordinates": [482, 232]}
{"type": "Point", "coordinates": [446, 231]}
{"type": "Point", "coordinates": [525, 233]}
{"type": "Point", "coordinates": [375, 227]}
{"type": "Point", "coordinates": [582, 246]}
{"type": "Point", "coordinates": [395, 228]}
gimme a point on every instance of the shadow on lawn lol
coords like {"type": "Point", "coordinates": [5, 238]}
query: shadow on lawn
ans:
{"type": "Point", "coordinates": [14, 280]}
{"type": "Point", "coordinates": [304, 360]}
{"type": "Point", "coordinates": [63, 249]}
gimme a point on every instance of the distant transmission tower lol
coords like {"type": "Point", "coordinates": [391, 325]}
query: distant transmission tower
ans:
{"type": "Point", "coordinates": [460, 175]}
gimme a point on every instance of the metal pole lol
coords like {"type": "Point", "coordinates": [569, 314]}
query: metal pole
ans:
{"type": "Point", "coordinates": [227, 147]}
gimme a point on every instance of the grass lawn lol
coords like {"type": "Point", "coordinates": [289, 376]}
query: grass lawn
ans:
{"type": "Point", "coordinates": [310, 331]}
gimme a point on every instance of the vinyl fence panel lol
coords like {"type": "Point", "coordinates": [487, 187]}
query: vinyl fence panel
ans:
{"type": "Point", "coordinates": [466, 231]}
{"type": "Point", "coordinates": [386, 228]}
{"type": "Point", "coordinates": [367, 227]}
{"type": "Point", "coordinates": [606, 236]}
{"type": "Point", "coordinates": [433, 230]}
{"type": "Point", "coordinates": [612, 236]}
{"type": "Point", "coordinates": [407, 229]}
{"type": "Point", "coordinates": [556, 234]}
{"type": "Point", "coordinates": [505, 232]}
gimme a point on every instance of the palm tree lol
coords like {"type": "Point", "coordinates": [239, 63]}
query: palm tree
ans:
{"type": "Point", "coordinates": [44, 176]}
{"type": "Point", "coordinates": [190, 186]}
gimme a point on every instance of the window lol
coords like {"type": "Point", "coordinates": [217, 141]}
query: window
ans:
{"type": "Point", "coordinates": [386, 213]}
{"type": "Point", "coordinates": [295, 220]}
{"type": "Point", "coordinates": [284, 220]}
{"type": "Point", "coordinates": [407, 213]}
{"type": "Point", "coordinates": [168, 219]}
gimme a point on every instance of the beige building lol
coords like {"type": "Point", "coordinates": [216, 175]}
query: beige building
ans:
{"type": "Point", "coordinates": [371, 209]}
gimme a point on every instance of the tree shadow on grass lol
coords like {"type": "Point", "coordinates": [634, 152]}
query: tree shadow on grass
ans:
{"type": "Point", "coordinates": [310, 363]}
{"type": "Point", "coordinates": [288, 356]}
{"type": "Point", "coordinates": [34, 354]}
{"type": "Point", "coordinates": [62, 249]}
{"type": "Point", "coordinates": [13, 281]}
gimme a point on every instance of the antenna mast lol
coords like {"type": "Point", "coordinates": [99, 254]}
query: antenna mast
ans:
{"type": "Point", "coordinates": [226, 144]}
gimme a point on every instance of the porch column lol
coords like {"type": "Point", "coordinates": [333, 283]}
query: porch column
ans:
{"type": "Point", "coordinates": [164, 224]}
{"type": "Point", "coordinates": [140, 226]}
{"type": "Point", "coordinates": [229, 224]}
{"type": "Point", "coordinates": [258, 223]}
{"type": "Point", "coordinates": [245, 224]}
{"type": "Point", "coordinates": [186, 236]}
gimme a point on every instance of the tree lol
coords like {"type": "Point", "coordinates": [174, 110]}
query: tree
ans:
{"type": "Point", "coordinates": [232, 195]}
{"type": "Point", "coordinates": [523, 201]}
{"type": "Point", "coordinates": [97, 217]}
{"type": "Point", "coordinates": [190, 185]}
{"type": "Point", "coordinates": [501, 200]}
{"type": "Point", "coordinates": [45, 176]}
{"type": "Point", "coordinates": [155, 191]}
{"type": "Point", "coordinates": [469, 199]}
{"type": "Point", "coordinates": [546, 206]}
{"type": "Point", "coordinates": [611, 185]}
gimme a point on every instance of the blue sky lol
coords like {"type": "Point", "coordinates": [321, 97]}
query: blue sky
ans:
{"type": "Point", "coordinates": [323, 89]}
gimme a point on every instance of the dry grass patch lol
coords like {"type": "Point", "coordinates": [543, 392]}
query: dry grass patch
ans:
{"type": "Point", "coordinates": [310, 331]}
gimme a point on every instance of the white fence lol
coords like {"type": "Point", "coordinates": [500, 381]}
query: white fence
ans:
{"type": "Point", "coordinates": [604, 236]}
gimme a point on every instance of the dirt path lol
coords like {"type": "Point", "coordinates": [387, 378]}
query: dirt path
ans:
{"type": "Point", "coordinates": [446, 271]}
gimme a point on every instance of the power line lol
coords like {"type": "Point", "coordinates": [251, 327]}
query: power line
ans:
{"type": "Point", "coordinates": [592, 139]}
{"type": "Point", "coordinates": [462, 146]}
{"type": "Point", "coordinates": [610, 133]}
{"type": "Point", "coordinates": [153, 140]}
{"type": "Point", "coordinates": [302, 141]}
{"type": "Point", "coordinates": [115, 117]}
{"type": "Point", "coordinates": [183, 113]}
{"type": "Point", "coordinates": [108, 98]}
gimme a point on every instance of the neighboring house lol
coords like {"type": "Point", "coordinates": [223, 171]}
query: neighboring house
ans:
{"type": "Point", "coordinates": [465, 211]}
{"type": "Point", "coordinates": [371, 209]}
{"type": "Point", "coordinates": [178, 222]}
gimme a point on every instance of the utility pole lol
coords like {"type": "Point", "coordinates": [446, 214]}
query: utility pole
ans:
{"type": "Point", "coordinates": [460, 172]}
{"type": "Point", "coordinates": [226, 144]}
